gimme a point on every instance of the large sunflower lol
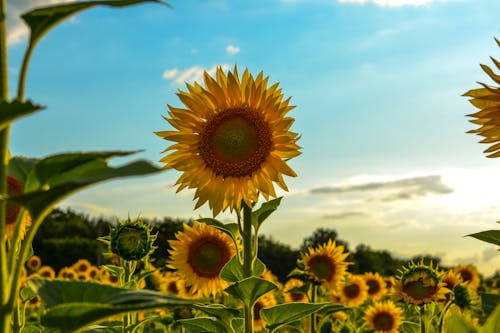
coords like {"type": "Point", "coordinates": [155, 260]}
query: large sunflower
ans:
{"type": "Point", "coordinates": [199, 253]}
{"type": "Point", "coordinates": [420, 284]}
{"type": "Point", "coordinates": [383, 317]}
{"type": "Point", "coordinates": [487, 100]}
{"type": "Point", "coordinates": [231, 140]}
{"type": "Point", "coordinates": [326, 263]}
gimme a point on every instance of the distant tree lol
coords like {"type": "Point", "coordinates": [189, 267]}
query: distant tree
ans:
{"type": "Point", "coordinates": [278, 257]}
{"type": "Point", "coordinates": [166, 230]}
{"type": "Point", "coordinates": [367, 260]}
{"type": "Point", "coordinates": [321, 236]}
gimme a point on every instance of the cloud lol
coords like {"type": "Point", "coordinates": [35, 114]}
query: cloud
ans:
{"type": "Point", "coordinates": [191, 74]}
{"type": "Point", "coordinates": [391, 3]}
{"type": "Point", "coordinates": [344, 215]}
{"type": "Point", "coordinates": [17, 29]}
{"type": "Point", "coordinates": [231, 49]}
{"type": "Point", "coordinates": [407, 188]}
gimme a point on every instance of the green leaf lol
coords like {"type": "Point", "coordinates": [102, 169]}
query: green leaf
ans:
{"type": "Point", "coordinates": [458, 324]}
{"type": "Point", "coordinates": [237, 324]}
{"type": "Point", "coordinates": [332, 308]}
{"type": "Point", "coordinates": [492, 324]}
{"type": "Point", "coordinates": [41, 20]}
{"type": "Point", "coordinates": [203, 325]}
{"type": "Point", "coordinates": [219, 311]}
{"type": "Point", "coordinates": [72, 305]}
{"type": "Point", "coordinates": [20, 167]}
{"type": "Point", "coordinates": [233, 271]}
{"type": "Point", "coordinates": [490, 236]}
{"type": "Point", "coordinates": [231, 229]}
{"type": "Point", "coordinates": [27, 294]}
{"type": "Point", "coordinates": [14, 110]}
{"type": "Point", "coordinates": [250, 289]}
{"type": "Point", "coordinates": [283, 314]}
{"type": "Point", "coordinates": [266, 209]}
{"type": "Point", "coordinates": [55, 177]}
{"type": "Point", "coordinates": [489, 302]}
{"type": "Point", "coordinates": [409, 327]}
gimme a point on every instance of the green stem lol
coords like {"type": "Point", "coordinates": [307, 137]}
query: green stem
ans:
{"type": "Point", "coordinates": [128, 318]}
{"type": "Point", "coordinates": [442, 316]}
{"type": "Point", "coordinates": [24, 71]}
{"type": "Point", "coordinates": [422, 321]}
{"type": "Point", "coordinates": [314, 293]}
{"type": "Point", "coordinates": [248, 261]}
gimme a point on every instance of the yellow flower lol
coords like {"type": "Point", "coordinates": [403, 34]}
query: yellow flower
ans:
{"type": "Point", "coordinates": [231, 140]}
{"type": "Point", "coordinates": [487, 100]}
{"type": "Point", "coordinates": [14, 187]}
{"type": "Point", "coordinates": [46, 272]}
{"type": "Point", "coordinates": [450, 279]}
{"type": "Point", "coordinates": [264, 301]}
{"type": "Point", "coordinates": [469, 275]}
{"type": "Point", "coordinates": [34, 263]}
{"type": "Point", "coordinates": [199, 253]}
{"type": "Point", "coordinates": [294, 296]}
{"type": "Point", "coordinates": [82, 266]}
{"type": "Point", "coordinates": [376, 285]}
{"type": "Point", "coordinates": [173, 284]}
{"type": "Point", "coordinates": [93, 273]}
{"type": "Point", "coordinates": [67, 273]}
{"type": "Point", "coordinates": [383, 317]}
{"type": "Point", "coordinates": [326, 263]}
{"type": "Point", "coordinates": [353, 291]}
{"type": "Point", "coordinates": [420, 284]}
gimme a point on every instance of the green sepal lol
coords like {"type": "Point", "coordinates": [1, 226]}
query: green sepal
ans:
{"type": "Point", "coordinates": [250, 289]}
{"type": "Point", "coordinates": [72, 305]}
{"type": "Point", "coordinates": [203, 325]}
{"type": "Point", "coordinates": [283, 314]}
{"type": "Point", "coordinates": [233, 270]}
{"type": "Point", "coordinates": [264, 211]}
{"type": "Point", "coordinates": [489, 236]}
{"type": "Point", "coordinates": [14, 110]}
{"type": "Point", "coordinates": [41, 20]}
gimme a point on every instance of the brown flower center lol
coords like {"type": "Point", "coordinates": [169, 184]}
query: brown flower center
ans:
{"type": "Point", "coordinates": [352, 291]}
{"type": "Point", "coordinates": [235, 142]}
{"type": "Point", "coordinates": [383, 321]}
{"type": "Point", "coordinates": [207, 256]}
{"type": "Point", "coordinates": [373, 287]}
{"type": "Point", "coordinates": [418, 290]}
{"type": "Point", "coordinates": [466, 275]}
{"type": "Point", "coordinates": [322, 267]}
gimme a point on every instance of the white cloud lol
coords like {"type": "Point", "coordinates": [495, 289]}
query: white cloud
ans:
{"type": "Point", "coordinates": [191, 74]}
{"type": "Point", "coordinates": [231, 49]}
{"type": "Point", "coordinates": [17, 29]}
{"type": "Point", "coordinates": [392, 3]}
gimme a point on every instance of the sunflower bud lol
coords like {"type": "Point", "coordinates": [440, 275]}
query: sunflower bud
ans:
{"type": "Point", "coordinates": [132, 240]}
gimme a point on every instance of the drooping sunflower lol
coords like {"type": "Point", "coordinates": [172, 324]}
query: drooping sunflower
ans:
{"type": "Point", "coordinates": [232, 139]}
{"type": "Point", "coordinates": [352, 291]}
{"type": "Point", "coordinates": [291, 292]}
{"type": "Point", "coordinates": [198, 254]}
{"type": "Point", "coordinates": [326, 263]}
{"type": "Point", "coordinates": [383, 317]}
{"type": "Point", "coordinates": [450, 279]}
{"type": "Point", "coordinates": [14, 187]}
{"type": "Point", "coordinates": [376, 285]}
{"type": "Point", "coordinates": [420, 284]}
{"type": "Point", "coordinates": [487, 100]}
{"type": "Point", "coordinates": [469, 275]}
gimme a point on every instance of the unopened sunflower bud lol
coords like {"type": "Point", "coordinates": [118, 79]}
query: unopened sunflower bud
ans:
{"type": "Point", "coordinates": [132, 240]}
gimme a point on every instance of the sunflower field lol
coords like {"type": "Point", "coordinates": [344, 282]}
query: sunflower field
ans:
{"type": "Point", "coordinates": [230, 142]}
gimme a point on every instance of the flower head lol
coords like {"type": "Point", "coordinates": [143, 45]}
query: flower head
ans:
{"type": "Point", "coordinates": [420, 284]}
{"type": "Point", "coordinates": [231, 140]}
{"type": "Point", "coordinates": [326, 263]}
{"type": "Point", "coordinates": [469, 275]}
{"type": "Point", "coordinates": [383, 317]}
{"type": "Point", "coordinates": [132, 240]}
{"type": "Point", "coordinates": [34, 263]}
{"type": "Point", "coordinates": [199, 253]}
{"type": "Point", "coordinates": [353, 291]}
{"type": "Point", "coordinates": [376, 285]}
{"type": "Point", "coordinates": [291, 291]}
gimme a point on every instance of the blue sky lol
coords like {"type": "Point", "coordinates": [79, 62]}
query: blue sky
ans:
{"type": "Point", "coordinates": [377, 84]}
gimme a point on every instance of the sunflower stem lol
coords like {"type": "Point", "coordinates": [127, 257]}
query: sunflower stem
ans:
{"type": "Point", "coordinates": [422, 321]}
{"type": "Point", "coordinates": [314, 292]}
{"type": "Point", "coordinates": [248, 261]}
{"type": "Point", "coordinates": [442, 316]}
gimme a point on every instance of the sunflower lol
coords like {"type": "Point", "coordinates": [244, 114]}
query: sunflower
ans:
{"type": "Point", "coordinates": [46, 272]}
{"type": "Point", "coordinates": [173, 284]}
{"type": "Point", "coordinates": [14, 187]}
{"type": "Point", "coordinates": [290, 292]}
{"type": "Point", "coordinates": [487, 100]}
{"type": "Point", "coordinates": [93, 273]}
{"type": "Point", "coordinates": [383, 317]}
{"type": "Point", "coordinates": [268, 275]}
{"type": "Point", "coordinates": [326, 263]}
{"type": "Point", "coordinates": [450, 279]}
{"type": "Point", "coordinates": [264, 301]}
{"type": "Point", "coordinates": [353, 291]}
{"type": "Point", "coordinates": [420, 284]}
{"type": "Point", "coordinates": [376, 285]}
{"type": "Point", "coordinates": [67, 273]}
{"type": "Point", "coordinates": [82, 266]}
{"type": "Point", "coordinates": [465, 297]}
{"type": "Point", "coordinates": [469, 275]}
{"type": "Point", "coordinates": [231, 140]}
{"type": "Point", "coordinates": [199, 253]}
{"type": "Point", "coordinates": [34, 263]}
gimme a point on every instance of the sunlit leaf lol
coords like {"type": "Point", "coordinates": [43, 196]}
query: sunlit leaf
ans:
{"type": "Point", "coordinates": [283, 314]}
{"type": "Point", "coordinates": [457, 323]}
{"type": "Point", "coordinates": [203, 325]}
{"type": "Point", "coordinates": [14, 110]}
{"type": "Point", "coordinates": [264, 211]}
{"type": "Point", "coordinates": [490, 236]}
{"type": "Point", "coordinates": [492, 324]}
{"type": "Point", "coordinates": [250, 289]}
{"type": "Point", "coordinates": [219, 311]}
{"type": "Point", "coordinates": [233, 270]}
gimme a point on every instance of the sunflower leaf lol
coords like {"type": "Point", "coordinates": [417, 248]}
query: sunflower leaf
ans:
{"type": "Point", "coordinates": [233, 271]}
{"type": "Point", "coordinates": [219, 311]}
{"type": "Point", "coordinates": [457, 323]}
{"type": "Point", "coordinates": [72, 305]}
{"type": "Point", "coordinates": [492, 324]}
{"type": "Point", "coordinates": [250, 289]}
{"type": "Point", "coordinates": [332, 308]}
{"type": "Point", "coordinates": [41, 20]}
{"type": "Point", "coordinates": [490, 236]}
{"type": "Point", "coordinates": [10, 111]}
{"type": "Point", "coordinates": [283, 314]}
{"type": "Point", "coordinates": [489, 302]}
{"type": "Point", "coordinates": [203, 325]}
{"type": "Point", "coordinates": [264, 211]}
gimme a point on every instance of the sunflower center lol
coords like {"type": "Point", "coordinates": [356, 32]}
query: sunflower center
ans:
{"type": "Point", "coordinates": [322, 267]}
{"type": "Point", "coordinates": [383, 321]}
{"type": "Point", "coordinates": [466, 275]}
{"type": "Point", "coordinates": [172, 287]}
{"type": "Point", "coordinates": [373, 287]}
{"type": "Point", "coordinates": [207, 257]}
{"type": "Point", "coordinates": [418, 290]}
{"type": "Point", "coordinates": [235, 142]}
{"type": "Point", "coordinates": [352, 291]}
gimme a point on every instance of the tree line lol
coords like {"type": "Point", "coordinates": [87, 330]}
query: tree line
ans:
{"type": "Point", "coordinates": [66, 236]}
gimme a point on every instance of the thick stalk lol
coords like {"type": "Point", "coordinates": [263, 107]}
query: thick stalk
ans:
{"type": "Point", "coordinates": [248, 261]}
{"type": "Point", "coordinates": [129, 266]}
{"type": "Point", "coordinates": [5, 311]}
{"type": "Point", "coordinates": [314, 292]}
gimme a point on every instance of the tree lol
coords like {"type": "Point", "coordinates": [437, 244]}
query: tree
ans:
{"type": "Point", "coordinates": [321, 236]}
{"type": "Point", "coordinates": [278, 257]}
